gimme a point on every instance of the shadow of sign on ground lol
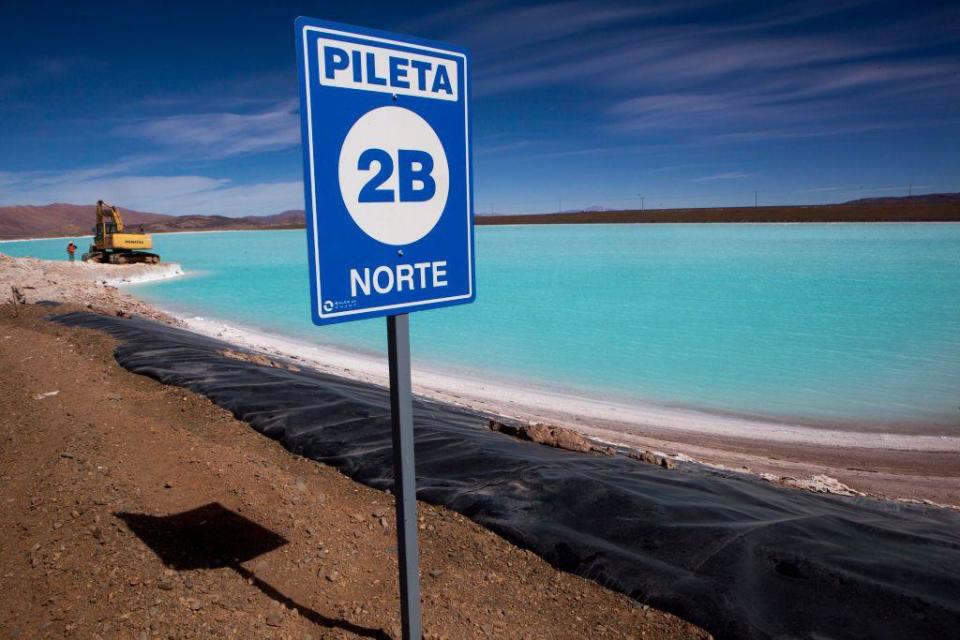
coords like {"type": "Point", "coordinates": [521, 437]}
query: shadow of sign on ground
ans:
{"type": "Point", "coordinates": [214, 537]}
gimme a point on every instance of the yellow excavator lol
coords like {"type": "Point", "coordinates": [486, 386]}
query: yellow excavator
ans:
{"type": "Point", "coordinates": [113, 244]}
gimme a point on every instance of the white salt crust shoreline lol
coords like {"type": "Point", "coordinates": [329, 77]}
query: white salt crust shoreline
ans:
{"type": "Point", "coordinates": [79, 282]}
{"type": "Point", "coordinates": [612, 421]}
{"type": "Point", "coordinates": [552, 224]}
{"type": "Point", "coordinates": [922, 466]}
{"type": "Point", "coordinates": [528, 403]}
{"type": "Point", "coordinates": [162, 272]}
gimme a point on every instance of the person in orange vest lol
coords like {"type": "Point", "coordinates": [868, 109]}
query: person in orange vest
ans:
{"type": "Point", "coordinates": [71, 251]}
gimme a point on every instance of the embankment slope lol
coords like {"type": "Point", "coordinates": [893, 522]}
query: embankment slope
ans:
{"type": "Point", "coordinates": [134, 509]}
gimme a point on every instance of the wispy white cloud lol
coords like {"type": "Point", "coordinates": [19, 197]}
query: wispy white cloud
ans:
{"type": "Point", "coordinates": [761, 73]}
{"type": "Point", "coordinates": [157, 180]}
{"type": "Point", "coordinates": [177, 194]}
{"type": "Point", "coordinates": [675, 167]}
{"type": "Point", "coordinates": [904, 188]}
{"type": "Point", "coordinates": [40, 69]}
{"type": "Point", "coordinates": [735, 175]}
{"type": "Point", "coordinates": [500, 148]}
{"type": "Point", "coordinates": [852, 192]}
{"type": "Point", "coordinates": [492, 29]}
{"type": "Point", "coordinates": [603, 151]}
{"type": "Point", "coordinates": [819, 190]}
{"type": "Point", "coordinates": [221, 134]}
{"type": "Point", "coordinates": [832, 100]}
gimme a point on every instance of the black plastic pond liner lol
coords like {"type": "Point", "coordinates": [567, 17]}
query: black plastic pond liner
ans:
{"type": "Point", "coordinates": [739, 557]}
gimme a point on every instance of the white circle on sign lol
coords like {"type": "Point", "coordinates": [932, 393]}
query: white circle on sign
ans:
{"type": "Point", "coordinates": [387, 182]}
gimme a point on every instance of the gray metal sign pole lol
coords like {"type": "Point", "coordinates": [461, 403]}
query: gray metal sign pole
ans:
{"type": "Point", "coordinates": [404, 474]}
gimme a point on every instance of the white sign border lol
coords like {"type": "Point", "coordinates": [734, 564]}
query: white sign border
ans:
{"type": "Point", "coordinates": [313, 186]}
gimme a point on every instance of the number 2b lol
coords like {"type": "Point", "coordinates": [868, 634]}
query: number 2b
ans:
{"type": "Point", "coordinates": [415, 182]}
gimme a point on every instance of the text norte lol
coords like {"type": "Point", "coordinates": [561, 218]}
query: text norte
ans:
{"type": "Point", "coordinates": [357, 66]}
{"type": "Point", "coordinates": [385, 279]}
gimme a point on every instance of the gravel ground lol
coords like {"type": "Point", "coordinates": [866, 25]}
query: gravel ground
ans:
{"type": "Point", "coordinates": [89, 285]}
{"type": "Point", "coordinates": [136, 510]}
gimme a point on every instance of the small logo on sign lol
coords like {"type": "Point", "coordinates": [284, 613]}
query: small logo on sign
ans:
{"type": "Point", "coordinates": [327, 306]}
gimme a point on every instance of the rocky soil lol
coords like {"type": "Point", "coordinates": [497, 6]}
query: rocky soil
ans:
{"type": "Point", "coordinates": [89, 285]}
{"type": "Point", "coordinates": [136, 510]}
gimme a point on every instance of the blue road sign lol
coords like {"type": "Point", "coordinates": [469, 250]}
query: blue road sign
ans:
{"type": "Point", "coordinates": [387, 175]}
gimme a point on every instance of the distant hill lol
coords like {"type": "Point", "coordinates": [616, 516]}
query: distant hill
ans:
{"type": "Point", "coordinates": [36, 221]}
{"type": "Point", "coordinates": [59, 219]}
{"type": "Point", "coordinates": [293, 219]}
{"type": "Point", "coordinates": [932, 198]}
{"type": "Point", "coordinates": [941, 207]}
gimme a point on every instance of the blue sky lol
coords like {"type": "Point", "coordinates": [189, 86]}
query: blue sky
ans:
{"type": "Point", "coordinates": [192, 107]}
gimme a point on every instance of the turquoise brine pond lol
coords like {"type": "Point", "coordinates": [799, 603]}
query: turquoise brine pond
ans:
{"type": "Point", "coordinates": [807, 323]}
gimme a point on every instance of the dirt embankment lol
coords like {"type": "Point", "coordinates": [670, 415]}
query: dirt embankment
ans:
{"type": "Point", "coordinates": [137, 510]}
{"type": "Point", "coordinates": [86, 284]}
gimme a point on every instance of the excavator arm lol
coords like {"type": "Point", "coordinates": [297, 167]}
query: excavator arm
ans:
{"type": "Point", "coordinates": [108, 213]}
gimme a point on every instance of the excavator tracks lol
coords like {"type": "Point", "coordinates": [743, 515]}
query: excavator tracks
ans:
{"type": "Point", "coordinates": [121, 257]}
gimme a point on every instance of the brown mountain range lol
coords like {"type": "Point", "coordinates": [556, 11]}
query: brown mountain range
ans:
{"type": "Point", "coordinates": [59, 219]}
{"type": "Point", "coordinates": [31, 221]}
{"type": "Point", "coordinates": [292, 219]}
{"type": "Point", "coordinates": [938, 207]}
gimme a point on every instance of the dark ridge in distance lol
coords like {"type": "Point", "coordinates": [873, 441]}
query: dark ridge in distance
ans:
{"type": "Point", "coordinates": [915, 209]}
{"type": "Point", "coordinates": [32, 221]}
